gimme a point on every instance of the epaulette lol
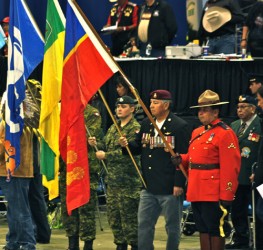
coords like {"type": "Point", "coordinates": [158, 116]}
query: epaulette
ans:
{"type": "Point", "coordinates": [223, 125]}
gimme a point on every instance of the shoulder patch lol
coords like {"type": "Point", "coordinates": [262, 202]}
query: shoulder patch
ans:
{"type": "Point", "coordinates": [223, 125]}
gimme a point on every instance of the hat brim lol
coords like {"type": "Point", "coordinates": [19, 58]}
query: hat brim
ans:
{"type": "Point", "coordinates": [225, 15]}
{"type": "Point", "coordinates": [209, 105]}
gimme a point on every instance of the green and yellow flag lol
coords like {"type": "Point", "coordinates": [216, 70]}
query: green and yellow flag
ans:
{"type": "Point", "coordinates": [51, 94]}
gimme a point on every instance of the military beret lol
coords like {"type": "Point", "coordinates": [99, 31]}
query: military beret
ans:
{"type": "Point", "coordinates": [161, 94]}
{"type": "Point", "coordinates": [247, 99]}
{"type": "Point", "coordinates": [255, 78]}
{"type": "Point", "coordinates": [125, 100]}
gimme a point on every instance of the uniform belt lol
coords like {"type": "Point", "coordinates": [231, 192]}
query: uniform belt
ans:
{"type": "Point", "coordinates": [204, 166]}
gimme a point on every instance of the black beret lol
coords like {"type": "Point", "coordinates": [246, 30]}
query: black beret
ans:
{"type": "Point", "coordinates": [255, 78]}
{"type": "Point", "coordinates": [247, 99]}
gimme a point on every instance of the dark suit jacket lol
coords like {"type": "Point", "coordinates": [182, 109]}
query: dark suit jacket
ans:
{"type": "Point", "coordinates": [158, 170]}
{"type": "Point", "coordinates": [249, 146]}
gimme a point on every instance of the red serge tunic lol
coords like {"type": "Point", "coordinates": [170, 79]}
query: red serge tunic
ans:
{"type": "Point", "coordinates": [213, 163]}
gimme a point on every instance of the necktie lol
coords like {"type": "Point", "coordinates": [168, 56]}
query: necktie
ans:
{"type": "Point", "coordinates": [241, 130]}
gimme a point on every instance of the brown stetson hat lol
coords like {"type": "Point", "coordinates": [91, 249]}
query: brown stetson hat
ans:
{"type": "Point", "coordinates": [207, 99]}
{"type": "Point", "coordinates": [215, 17]}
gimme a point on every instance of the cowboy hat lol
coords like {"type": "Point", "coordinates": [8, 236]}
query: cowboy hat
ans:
{"type": "Point", "coordinates": [207, 99]}
{"type": "Point", "coordinates": [215, 17]}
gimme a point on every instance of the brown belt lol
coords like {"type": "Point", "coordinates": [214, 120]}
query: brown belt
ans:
{"type": "Point", "coordinates": [204, 166]}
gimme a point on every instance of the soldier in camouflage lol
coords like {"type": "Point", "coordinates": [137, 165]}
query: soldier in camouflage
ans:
{"type": "Point", "coordinates": [123, 183]}
{"type": "Point", "coordinates": [82, 221]}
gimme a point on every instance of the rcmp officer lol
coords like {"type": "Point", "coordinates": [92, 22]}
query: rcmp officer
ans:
{"type": "Point", "coordinates": [123, 183]}
{"type": "Point", "coordinates": [213, 163]}
{"type": "Point", "coordinates": [248, 130]}
{"type": "Point", "coordinates": [164, 184]}
{"type": "Point", "coordinates": [82, 222]}
{"type": "Point", "coordinates": [124, 15]}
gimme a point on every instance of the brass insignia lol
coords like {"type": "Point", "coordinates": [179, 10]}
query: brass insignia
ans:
{"type": "Point", "coordinates": [231, 146]}
{"type": "Point", "coordinates": [155, 95]}
{"type": "Point", "coordinates": [241, 98]}
{"type": "Point", "coordinates": [229, 186]}
{"type": "Point", "coordinates": [169, 119]}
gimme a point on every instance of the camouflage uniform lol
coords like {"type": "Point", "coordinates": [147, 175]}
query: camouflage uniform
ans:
{"type": "Point", "coordinates": [82, 221]}
{"type": "Point", "coordinates": [123, 186]}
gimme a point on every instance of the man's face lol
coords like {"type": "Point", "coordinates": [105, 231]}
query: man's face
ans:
{"type": "Point", "coordinates": [124, 110]}
{"type": "Point", "coordinates": [260, 101]}
{"type": "Point", "coordinates": [206, 115]}
{"type": "Point", "coordinates": [245, 111]}
{"type": "Point", "coordinates": [254, 86]}
{"type": "Point", "coordinates": [158, 107]}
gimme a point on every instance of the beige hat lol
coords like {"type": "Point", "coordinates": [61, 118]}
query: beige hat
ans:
{"type": "Point", "coordinates": [207, 99]}
{"type": "Point", "coordinates": [215, 17]}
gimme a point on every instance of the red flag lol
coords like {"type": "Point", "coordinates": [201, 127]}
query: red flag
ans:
{"type": "Point", "coordinates": [87, 66]}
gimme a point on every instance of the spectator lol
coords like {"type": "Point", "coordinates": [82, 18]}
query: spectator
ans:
{"type": "Point", "coordinates": [123, 89]}
{"type": "Point", "coordinates": [252, 35]}
{"type": "Point", "coordinates": [164, 191]}
{"type": "Point", "coordinates": [247, 129]}
{"type": "Point", "coordinates": [255, 82]}
{"type": "Point", "coordinates": [157, 27]}
{"type": "Point", "coordinates": [218, 25]}
{"type": "Point", "coordinates": [213, 163]}
{"type": "Point", "coordinates": [124, 15]}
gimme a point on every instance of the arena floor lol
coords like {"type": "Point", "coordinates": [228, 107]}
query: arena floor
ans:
{"type": "Point", "coordinates": [104, 240]}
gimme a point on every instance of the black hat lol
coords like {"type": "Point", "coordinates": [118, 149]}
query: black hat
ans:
{"type": "Point", "coordinates": [161, 94]}
{"type": "Point", "coordinates": [256, 78]}
{"type": "Point", "coordinates": [125, 100]}
{"type": "Point", "coordinates": [247, 99]}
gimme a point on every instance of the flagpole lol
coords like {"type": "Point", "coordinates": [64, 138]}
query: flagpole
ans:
{"type": "Point", "coordinates": [119, 131]}
{"type": "Point", "coordinates": [133, 90]}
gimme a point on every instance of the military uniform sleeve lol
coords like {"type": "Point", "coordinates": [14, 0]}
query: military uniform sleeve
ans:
{"type": "Point", "coordinates": [230, 162]}
{"type": "Point", "coordinates": [182, 142]}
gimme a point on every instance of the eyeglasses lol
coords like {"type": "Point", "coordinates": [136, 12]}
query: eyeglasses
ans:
{"type": "Point", "coordinates": [242, 106]}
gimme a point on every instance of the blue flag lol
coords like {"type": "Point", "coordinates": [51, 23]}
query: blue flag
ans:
{"type": "Point", "coordinates": [25, 52]}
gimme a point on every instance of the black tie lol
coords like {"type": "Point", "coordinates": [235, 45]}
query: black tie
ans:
{"type": "Point", "coordinates": [241, 130]}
